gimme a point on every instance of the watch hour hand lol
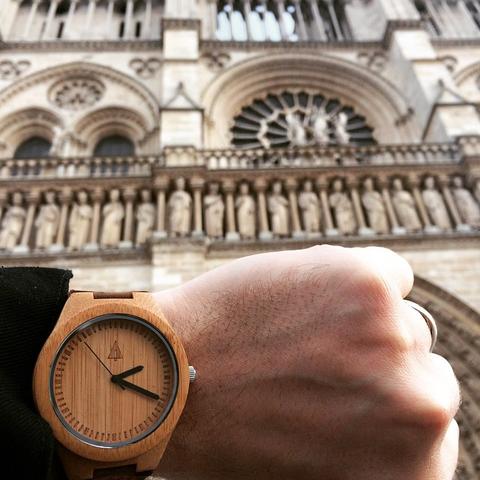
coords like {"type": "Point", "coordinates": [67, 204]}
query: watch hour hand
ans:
{"type": "Point", "coordinates": [136, 388]}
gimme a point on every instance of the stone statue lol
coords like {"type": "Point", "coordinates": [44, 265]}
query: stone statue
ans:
{"type": "Point", "coordinates": [180, 210]}
{"type": "Point", "coordinates": [47, 222]}
{"type": "Point", "coordinates": [278, 208]}
{"type": "Point", "coordinates": [467, 206]}
{"type": "Point", "coordinates": [58, 142]}
{"type": "Point", "coordinates": [12, 223]}
{"type": "Point", "coordinates": [405, 207]}
{"type": "Point", "coordinates": [79, 222]}
{"type": "Point", "coordinates": [319, 122]}
{"type": "Point", "coordinates": [343, 209]}
{"type": "Point", "coordinates": [112, 213]}
{"type": "Point", "coordinates": [310, 207]}
{"type": "Point", "coordinates": [373, 203]}
{"type": "Point", "coordinates": [295, 130]}
{"type": "Point", "coordinates": [145, 218]}
{"type": "Point", "coordinates": [246, 211]}
{"type": "Point", "coordinates": [341, 134]}
{"type": "Point", "coordinates": [214, 211]}
{"type": "Point", "coordinates": [436, 207]}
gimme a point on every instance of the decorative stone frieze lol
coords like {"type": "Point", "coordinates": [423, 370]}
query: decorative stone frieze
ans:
{"type": "Point", "coordinates": [76, 93]}
{"type": "Point", "coordinates": [10, 70]}
{"type": "Point", "coordinates": [145, 67]}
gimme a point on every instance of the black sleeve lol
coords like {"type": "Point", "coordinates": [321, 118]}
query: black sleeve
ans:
{"type": "Point", "coordinates": [31, 300]}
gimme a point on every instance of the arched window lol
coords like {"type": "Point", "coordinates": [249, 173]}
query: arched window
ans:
{"type": "Point", "coordinates": [114, 145]}
{"type": "Point", "coordinates": [33, 148]}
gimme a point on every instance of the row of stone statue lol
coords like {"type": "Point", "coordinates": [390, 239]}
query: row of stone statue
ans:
{"type": "Point", "coordinates": [271, 214]}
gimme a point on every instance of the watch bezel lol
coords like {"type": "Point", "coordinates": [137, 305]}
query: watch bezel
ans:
{"type": "Point", "coordinates": [87, 324]}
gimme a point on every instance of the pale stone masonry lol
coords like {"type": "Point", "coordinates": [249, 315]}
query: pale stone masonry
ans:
{"type": "Point", "coordinates": [143, 142]}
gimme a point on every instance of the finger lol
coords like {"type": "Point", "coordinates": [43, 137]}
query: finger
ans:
{"type": "Point", "coordinates": [448, 452]}
{"type": "Point", "coordinates": [394, 269]}
{"type": "Point", "coordinates": [417, 327]}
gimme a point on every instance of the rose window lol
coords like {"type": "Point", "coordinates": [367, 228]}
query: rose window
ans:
{"type": "Point", "coordinates": [77, 93]}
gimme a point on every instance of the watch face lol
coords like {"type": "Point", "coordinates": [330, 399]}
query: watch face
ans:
{"type": "Point", "coordinates": [114, 380]}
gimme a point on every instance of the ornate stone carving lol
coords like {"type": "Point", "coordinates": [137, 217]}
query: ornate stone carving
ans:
{"type": "Point", "coordinates": [180, 210]}
{"type": "Point", "coordinates": [145, 217]}
{"type": "Point", "coordinates": [292, 119]}
{"type": "Point", "coordinates": [375, 208]}
{"type": "Point", "coordinates": [113, 213]}
{"type": "Point", "coordinates": [145, 68]}
{"type": "Point", "coordinates": [468, 208]}
{"type": "Point", "coordinates": [10, 70]}
{"type": "Point", "coordinates": [80, 222]}
{"type": "Point", "coordinates": [404, 205]}
{"type": "Point", "coordinates": [76, 93]}
{"type": "Point", "coordinates": [216, 61]}
{"type": "Point", "coordinates": [246, 211]}
{"type": "Point", "coordinates": [435, 205]}
{"type": "Point", "coordinates": [310, 207]}
{"type": "Point", "coordinates": [375, 61]}
{"type": "Point", "coordinates": [12, 223]}
{"type": "Point", "coordinates": [214, 211]}
{"type": "Point", "coordinates": [47, 222]}
{"type": "Point", "coordinates": [278, 209]}
{"type": "Point", "coordinates": [342, 209]}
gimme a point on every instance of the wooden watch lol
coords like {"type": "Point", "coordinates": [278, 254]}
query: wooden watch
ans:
{"type": "Point", "coordinates": [112, 381]}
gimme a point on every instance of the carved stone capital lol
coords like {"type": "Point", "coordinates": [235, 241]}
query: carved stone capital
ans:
{"type": "Point", "coordinates": [260, 185]}
{"type": "Point", "coordinates": [129, 194]}
{"type": "Point", "coordinates": [228, 185]}
{"type": "Point", "coordinates": [197, 183]}
{"type": "Point", "coordinates": [97, 195]}
{"type": "Point", "coordinates": [65, 195]}
{"type": "Point", "coordinates": [291, 184]}
{"type": "Point", "coordinates": [322, 183]}
{"type": "Point", "coordinates": [413, 181]}
{"type": "Point", "coordinates": [351, 182]}
{"type": "Point", "coordinates": [383, 181]}
{"type": "Point", "coordinates": [443, 181]}
{"type": "Point", "coordinates": [33, 197]}
{"type": "Point", "coordinates": [3, 197]}
{"type": "Point", "coordinates": [161, 183]}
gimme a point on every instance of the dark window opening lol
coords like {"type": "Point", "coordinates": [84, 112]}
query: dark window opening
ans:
{"type": "Point", "coordinates": [114, 145]}
{"type": "Point", "coordinates": [121, 31]}
{"type": "Point", "coordinates": [34, 147]}
{"type": "Point", "coordinates": [138, 29]}
{"type": "Point", "coordinates": [60, 29]}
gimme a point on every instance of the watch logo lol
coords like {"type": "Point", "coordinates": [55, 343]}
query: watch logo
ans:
{"type": "Point", "coordinates": [115, 352]}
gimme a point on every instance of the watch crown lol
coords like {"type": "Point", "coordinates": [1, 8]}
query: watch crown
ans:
{"type": "Point", "coordinates": [193, 373]}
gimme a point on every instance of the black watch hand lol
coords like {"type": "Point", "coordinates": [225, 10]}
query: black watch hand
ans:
{"type": "Point", "coordinates": [128, 373]}
{"type": "Point", "coordinates": [99, 359]}
{"type": "Point", "coordinates": [136, 388]}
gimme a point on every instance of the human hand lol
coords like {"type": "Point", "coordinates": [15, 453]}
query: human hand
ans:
{"type": "Point", "coordinates": [310, 366]}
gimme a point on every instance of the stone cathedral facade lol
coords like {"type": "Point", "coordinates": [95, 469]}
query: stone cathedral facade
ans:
{"type": "Point", "coordinates": [143, 142]}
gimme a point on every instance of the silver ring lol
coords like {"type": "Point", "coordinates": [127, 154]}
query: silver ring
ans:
{"type": "Point", "coordinates": [427, 316]}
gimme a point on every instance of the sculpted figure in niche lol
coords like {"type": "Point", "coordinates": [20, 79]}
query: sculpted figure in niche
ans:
{"type": "Point", "coordinates": [214, 210]}
{"type": "Point", "coordinates": [80, 221]}
{"type": "Point", "coordinates": [112, 213]}
{"type": "Point", "coordinates": [12, 223]}
{"type": "Point", "coordinates": [46, 222]}
{"type": "Point", "coordinates": [373, 203]}
{"type": "Point", "coordinates": [246, 209]}
{"type": "Point", "coordinates": [319, 121]}
{"type": "Point", "coordinates": [295, 130]}
{"type": "Point", "coordinates": [58, 141]}
{"type": "Point", "coordinates": [278, 208]}
{"type": "Point", "coordinates": [343, 209]}
{"type": "Point", "coordinates": [405, 207]}
{"type": "Point", "coordinates": [341, 133]}
{"type": "Point", "coordinates": [436, 207]}
{"type": "Point", "coordinates": [466, 204]}
{"type": "Point", "coordinates": [145, 218]}
{"type": "Point", "coordinates": [179, 210]}
{"type": "Point", "coordinates": [310, 207]}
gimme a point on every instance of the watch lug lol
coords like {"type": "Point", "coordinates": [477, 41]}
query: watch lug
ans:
{"type": "Point", "coordinates": [150, 459]}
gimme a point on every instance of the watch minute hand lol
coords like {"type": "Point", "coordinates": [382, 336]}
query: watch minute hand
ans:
{"type": "Point", "coordinates": [136, 388]}
{"type": "Point", "coordinates": [129, 372]}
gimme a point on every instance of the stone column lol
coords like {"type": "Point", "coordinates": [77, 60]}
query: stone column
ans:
{"type": "Point", "coordinates": [319, 27]}
{"type": "Point", "coordinates": [352, 185]}
{"type": "Point", "coordinates": [281, 19]}
{"type": "Point", "coordinates": [70, 15]}
{"type": "Point", "coordinates": [301, 20]}
{"type": "Point", "coordinates": [328, 227]}
{"type": "Point", "coordinates": [414, 185]}
{"type": "Point", "coordinates": [90, 13]}
{"type": "Point", "coordinates": [129, 196]}
{"type": "Point", "coordinates": [97, 197]}
{"type": "Point", "coordinates": [260, 186]}
{"type": "Point", "coordinates": [392, 216]}
{"type": "Point", "coordinates": [212, 19]}
{"type": "Point", "coordinates": [3, 201]}
{"type": "Point", "coordinates": [228, 187]}
{"type": "Point", "coordinates": [108, 24]}
{"type": "Point", "coordinates": [31, 17]}
{"type": "Point", "coordinates": [147, 20]}
{"type": "Point", "coordinates": [32, 199]}
{"type": "Point", "coordinates": [291, 187]}
{"type": "Point", "coordinates": [197, 186]}
{"type": "Point", "coordinates": [161, 184]}
{"type": "Point", "coordinates": [127, 32]}
{"type": "Point", "coordinates": [50, 16]}
{"type": "Point", "coordinates": [443, 181]}
{"type": "Point", "coordinates": [64, 197]}
{"type": "Point", "coordinates": [335, 23]}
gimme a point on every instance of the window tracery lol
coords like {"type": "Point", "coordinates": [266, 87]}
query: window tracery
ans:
{"type": "Point", "coordinates": [296, 119]}
{"type": "Point", "coordinates": [77, 93]}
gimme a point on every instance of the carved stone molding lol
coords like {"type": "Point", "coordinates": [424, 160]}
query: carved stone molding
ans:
{"type": "Point", "coordinates": [375, 61]}
{"type": "Point", "coordinates": [76, 93]}
{"type": "Point", "coordinates": [10, 70]}
{"type": "Point", "coordinates": [216, 60]}
{"type": "Point", "coordinates": [145, 67]}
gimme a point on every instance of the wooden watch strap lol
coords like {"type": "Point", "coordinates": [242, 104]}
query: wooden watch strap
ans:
{"type": "Point", "coordinates": [127, 472]}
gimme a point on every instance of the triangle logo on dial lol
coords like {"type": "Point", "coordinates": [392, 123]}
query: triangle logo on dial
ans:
{"type": "Point", "coordinates": [115, 352]}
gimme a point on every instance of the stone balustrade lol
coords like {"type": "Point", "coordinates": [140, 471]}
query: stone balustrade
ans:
{"type": "Point", "coordinates": [222, 206]}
